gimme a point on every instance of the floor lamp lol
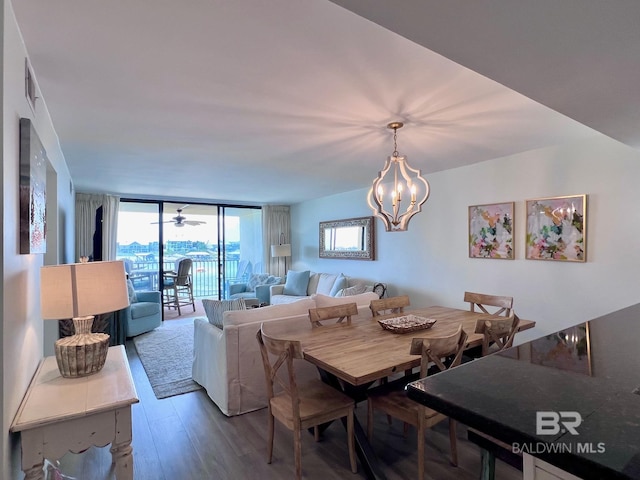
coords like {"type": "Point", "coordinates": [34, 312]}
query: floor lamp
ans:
{"type": "Point", "coordinates": [281, 250]}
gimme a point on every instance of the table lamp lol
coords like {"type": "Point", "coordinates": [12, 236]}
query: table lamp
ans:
{"type": "Point", "coordinates": [80, 291]}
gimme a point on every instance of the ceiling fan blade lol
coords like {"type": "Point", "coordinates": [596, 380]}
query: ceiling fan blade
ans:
{"type": "Point", "coordinates": [194, 223]}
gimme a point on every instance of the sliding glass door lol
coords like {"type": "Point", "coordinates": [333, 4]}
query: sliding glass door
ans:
{"type": "Point", "coordinates": [225, 243]}
{"type": "Point", "coordinates": [139, 243]}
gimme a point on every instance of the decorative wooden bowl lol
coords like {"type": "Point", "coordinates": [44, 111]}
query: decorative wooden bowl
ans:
{"type": "Point", "coordinates": [407, 323]}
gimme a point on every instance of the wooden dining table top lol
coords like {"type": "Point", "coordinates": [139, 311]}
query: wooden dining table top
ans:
{"type": "Point", "coordinates": [363, 352]}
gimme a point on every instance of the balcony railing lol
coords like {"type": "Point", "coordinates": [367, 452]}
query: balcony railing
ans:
{"type": "Point", "coordinates": [204, 273]}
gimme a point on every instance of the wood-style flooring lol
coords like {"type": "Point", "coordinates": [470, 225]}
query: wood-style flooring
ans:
{"type": "Point", "coordinates": [187, 437]}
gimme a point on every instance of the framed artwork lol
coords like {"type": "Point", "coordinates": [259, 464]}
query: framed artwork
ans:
{"type": "Point", "coordinates": [568, 349]}
{"type": "Point", "coordinates": [557, 229]}
{"type": "Point", "coordinates": [491, 231]}
{"type": "Point", "coordinates": [33, 190]}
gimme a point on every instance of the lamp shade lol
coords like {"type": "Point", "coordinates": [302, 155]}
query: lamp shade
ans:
{"type": "Point", "coordinates": [82, 289]}
{"type": "Point", "coordinates": [283, 250]}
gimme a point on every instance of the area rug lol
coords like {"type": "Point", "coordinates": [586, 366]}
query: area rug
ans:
{"type": "Point", "coordinates": [166, 354]}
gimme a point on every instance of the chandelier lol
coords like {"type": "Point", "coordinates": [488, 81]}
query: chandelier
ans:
{"type": "Point", "coordinates": [397, 180]}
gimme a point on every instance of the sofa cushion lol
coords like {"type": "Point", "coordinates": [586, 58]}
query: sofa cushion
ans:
{"type": "Point", "coordinates": [325, 283]}
{"type": "Point", "coordinates": [252, 315]}
{"type": "Point", "coordinates": [340, 283]}
{"type": "Point", "coordinates": [296, 283]}
{"type": "Point", "coordinates": [215, 308]}
{"type": "Point", "coordinates": [312, 288]}
{"type": "Point", "coordinates": [283, 299]}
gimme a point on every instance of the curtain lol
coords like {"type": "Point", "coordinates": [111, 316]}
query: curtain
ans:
{"type": "Point", "coordinates": [276, 220]}
{"type": "Point", "coordinates": [110, 206]}
{"type": "Point", "coordinates": [86, 206]}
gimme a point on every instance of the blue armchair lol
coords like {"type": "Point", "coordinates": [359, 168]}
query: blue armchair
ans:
{"type": "Point", "coordinates": [258, 287]}
{"type": "Point", "coordinates": [144, 312]}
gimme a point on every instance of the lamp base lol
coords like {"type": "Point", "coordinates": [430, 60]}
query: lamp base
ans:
{"type": "Point", "coordinates": [84, 353]}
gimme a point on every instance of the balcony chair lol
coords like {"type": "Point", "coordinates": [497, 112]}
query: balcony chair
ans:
{"type": "Point", "coordinates": [178, 286]}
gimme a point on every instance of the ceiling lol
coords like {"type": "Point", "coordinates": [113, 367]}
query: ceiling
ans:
{"type": "Point", "coordinates": [254, 102]}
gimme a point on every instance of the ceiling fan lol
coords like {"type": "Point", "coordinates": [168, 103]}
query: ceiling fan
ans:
{"type": "Point", "coordinates": [180, 220]}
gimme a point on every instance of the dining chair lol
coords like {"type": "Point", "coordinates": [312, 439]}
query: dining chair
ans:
{"type": "Point", "coordinates": [392, 399]}
{"type": "Point", "coordinates": [389, 305]}
{"type": "Point", "coordinates": [300, 407]}
{"type": "Point", "coordinates": [481, 301]}
{"type": "Point", "coordinates": [338, 312]}
{"type": "Point", "coordinates": [177, 289]}
{"type": "Point", "coordinates": [497, 333]}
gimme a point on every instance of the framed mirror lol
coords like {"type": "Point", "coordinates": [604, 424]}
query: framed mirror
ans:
{"type": "Point", "coordinates": [352, 239]}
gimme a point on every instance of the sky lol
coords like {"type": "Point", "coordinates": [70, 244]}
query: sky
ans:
{"type": "Point", "coordinates": [139, 227]}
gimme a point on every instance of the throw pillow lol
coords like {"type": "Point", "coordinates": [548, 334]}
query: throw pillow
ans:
{"type": "Point", "coordinates": [355, 290]}
{"type": "Point", "coordinates": [133, 298]}
{"type": "Point", "coordinates": [255, 280]}
{"type": "Point", "coordinates": [296, 283]}
{"type": "Point", "coordinates": [341, 282]}
{"type": "Point", "coordinates": [215, 308]}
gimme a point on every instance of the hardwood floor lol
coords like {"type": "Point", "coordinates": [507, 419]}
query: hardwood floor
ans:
{"type": "Point", "coordinates": [187, 437]}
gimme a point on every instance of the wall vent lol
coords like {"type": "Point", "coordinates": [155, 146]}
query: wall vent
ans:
{"type": "Point", "coordinates": [29, 85]}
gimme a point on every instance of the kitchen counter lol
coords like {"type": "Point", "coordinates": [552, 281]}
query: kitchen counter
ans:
{"type": "Point", "coordinates": [591, 370]}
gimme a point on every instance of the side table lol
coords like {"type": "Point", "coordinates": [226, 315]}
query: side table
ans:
{"type": "Point", "coordinates": [60, 414]}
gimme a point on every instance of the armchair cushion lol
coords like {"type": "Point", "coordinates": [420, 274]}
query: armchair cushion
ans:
{"type": "Point", "coordinates": [144, 309]}
{"type": "Point", "coordinates": [297, 283]}
{"type": "Point", "coordinates": [236, 288]}
{"type": "Point", "coordinates": [150, 296]}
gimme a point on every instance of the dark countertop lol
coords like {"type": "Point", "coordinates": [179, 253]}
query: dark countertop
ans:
{"type": "Point", "coordinates": [593, 371]}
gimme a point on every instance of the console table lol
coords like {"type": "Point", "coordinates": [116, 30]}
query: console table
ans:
{"type": "Point", "coordinates": [60, 414]}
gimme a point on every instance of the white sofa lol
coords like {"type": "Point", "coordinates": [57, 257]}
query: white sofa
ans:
{"type": "Point", "coordinates": [227, 362]}
{"type": "Point", "coordinates": [329, 284]}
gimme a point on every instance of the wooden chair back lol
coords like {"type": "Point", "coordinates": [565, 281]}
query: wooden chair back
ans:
{"type": "Point", "coordinates": [497, 331]}
{"type": "Point", "coordinates": [389, 305]}
{"type": "Point", "coordinates": [183, 272]}
{"type": "Point", "coordinates": [277, 359]}
{"type": "Point", "coordinates": [318, 402]}
{"type": "Point", "coordinates": [481, 301]}
{"type": "Point", "coordinates": [338, 312]}
{"type": "Point", "coordinates": [433, 350]}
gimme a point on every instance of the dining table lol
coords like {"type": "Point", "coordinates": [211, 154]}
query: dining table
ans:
{"type": "Point", "coordinates": [352, 356]}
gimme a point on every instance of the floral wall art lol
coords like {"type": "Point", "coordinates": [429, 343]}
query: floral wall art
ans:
{"type": "Point", "coordinates": [556, 228]}
{"type": "Point", "coordinates": [33, 190]}
{"type": "Point", "coordinates": [491, 231]}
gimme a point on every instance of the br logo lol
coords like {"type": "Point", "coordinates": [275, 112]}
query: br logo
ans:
{"type": "Point", "coordinates": [552, 423]}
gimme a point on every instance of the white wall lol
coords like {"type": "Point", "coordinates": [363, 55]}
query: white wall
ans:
{"type": "Point", "coordinates": [430, 261]}
{"type": "Point", "coordinates": [21, 333]}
